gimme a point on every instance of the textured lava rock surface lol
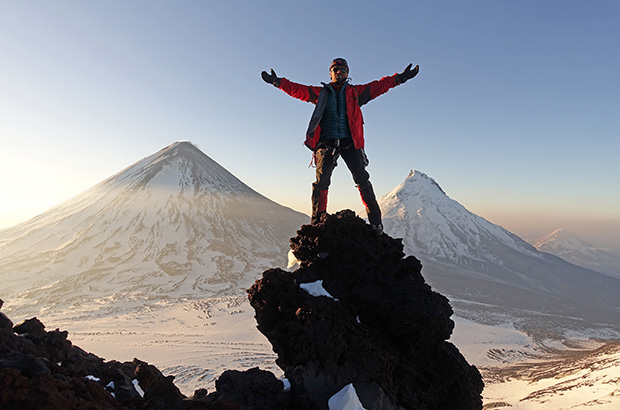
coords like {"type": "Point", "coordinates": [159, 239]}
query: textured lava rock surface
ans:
{"type": "Point", "coordinates": [383, 328]}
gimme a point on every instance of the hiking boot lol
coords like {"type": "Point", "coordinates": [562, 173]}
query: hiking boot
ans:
{"type": "Point", "coordinates": [377, 229]}
{"type": "Point", "coordinates": [317, 218]}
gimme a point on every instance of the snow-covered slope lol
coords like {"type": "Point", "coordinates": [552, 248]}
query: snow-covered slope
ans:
{"type": "Point", "coordinates": [573, 249]}
{"type": "Point", "coordinates": [521, 372]}
{"type": "Point", "coordinates": [175, 224]}
{"type": "Point", "coordinates": [197, 340]}
{"type": "Point", "coordinates": [566, 379]}
{"type": "Point", "coordinates": [488, 271]}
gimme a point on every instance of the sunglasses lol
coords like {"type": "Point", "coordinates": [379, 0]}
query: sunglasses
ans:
{"type": "Point", "coordinates": [339, 68]}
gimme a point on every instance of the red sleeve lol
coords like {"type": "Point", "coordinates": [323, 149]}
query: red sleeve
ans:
{"type": "Point", "coordinates": [367, 92]}
{"type": "Point", "coordinates": [306, 93]}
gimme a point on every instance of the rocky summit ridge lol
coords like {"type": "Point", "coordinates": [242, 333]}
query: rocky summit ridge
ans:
{"type": "Point", "coordinates": [357, 314]}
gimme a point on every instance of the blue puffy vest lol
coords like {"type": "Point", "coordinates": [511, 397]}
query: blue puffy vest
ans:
{"type": "Point", "coordinates": [335, 123]}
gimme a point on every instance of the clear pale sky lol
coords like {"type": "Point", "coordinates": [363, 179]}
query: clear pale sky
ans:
{"type": "Point", "coordinates": [515, 112]}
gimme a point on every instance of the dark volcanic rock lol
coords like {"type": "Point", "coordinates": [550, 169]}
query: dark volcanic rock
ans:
{"type": "Point", "coordinates": [19, 391]}
{"type": "Point", "coordinates": [253, 389]}
{"type": "Point", "coordinates": [43, 370]}
{"type": "Point", "coordinates": [383, 329]}
{"type": "Point", "coordinates": [30, 326]}
{"type": "Point", "coordinates": [5, 322]}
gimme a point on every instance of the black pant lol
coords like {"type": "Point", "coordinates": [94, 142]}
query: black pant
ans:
{"type": "Point", "coordinates": [326, 160]}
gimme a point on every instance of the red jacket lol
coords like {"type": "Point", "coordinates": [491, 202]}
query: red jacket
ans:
{"type": "Point", "coordinates": [357, 95]}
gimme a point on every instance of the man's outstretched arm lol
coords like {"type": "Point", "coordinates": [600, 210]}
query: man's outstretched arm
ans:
{"type": "Point", "coordinates": [303, 92]}
{"type": "Point", "coordinates": [375, 88]}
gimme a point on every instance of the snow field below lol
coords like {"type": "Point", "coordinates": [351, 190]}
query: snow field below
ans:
{"type": "Point", "coordinates": [196, 341]}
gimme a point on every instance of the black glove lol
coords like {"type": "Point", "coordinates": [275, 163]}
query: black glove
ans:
{"type": "Point", "coordinates": [270, 78]}
{"type": "Point", "coordinates": [408, 73]}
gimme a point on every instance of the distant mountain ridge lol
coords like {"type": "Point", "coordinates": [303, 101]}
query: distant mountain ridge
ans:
{"type": "Point", "coordinates": [573, 249]}
{"type": "Point", "coordinates": [174, 224]}
{"type": "Point", "coordinates": [488, 271]}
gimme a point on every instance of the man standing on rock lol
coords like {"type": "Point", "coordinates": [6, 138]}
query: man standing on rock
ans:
{"type": "Point", "coordinates": [336, 129]}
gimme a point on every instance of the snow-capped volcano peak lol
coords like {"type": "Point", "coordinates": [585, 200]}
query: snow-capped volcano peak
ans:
{"type": "Point", "coordinates": [436, 227]}
{"type": "Point", "coordinates": [179, 165]}
{"type": "Point", "coordinates": [561, 240]}
{"type": "Point", "coordinates": [175, 223]}
{"type": "Point", "coordinates": [415, 179]}
{"type": "Point", "coordinates": [471, 259]}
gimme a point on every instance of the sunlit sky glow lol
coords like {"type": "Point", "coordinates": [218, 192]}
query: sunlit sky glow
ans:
{"type": "Point", "coordinates": [515, 111]}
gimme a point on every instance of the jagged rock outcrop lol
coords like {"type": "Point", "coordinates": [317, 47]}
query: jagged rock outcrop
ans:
{"type": "Point", "coordinates": [378, 325]}
{"type": "Point", "coordinates": [42, 369]}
